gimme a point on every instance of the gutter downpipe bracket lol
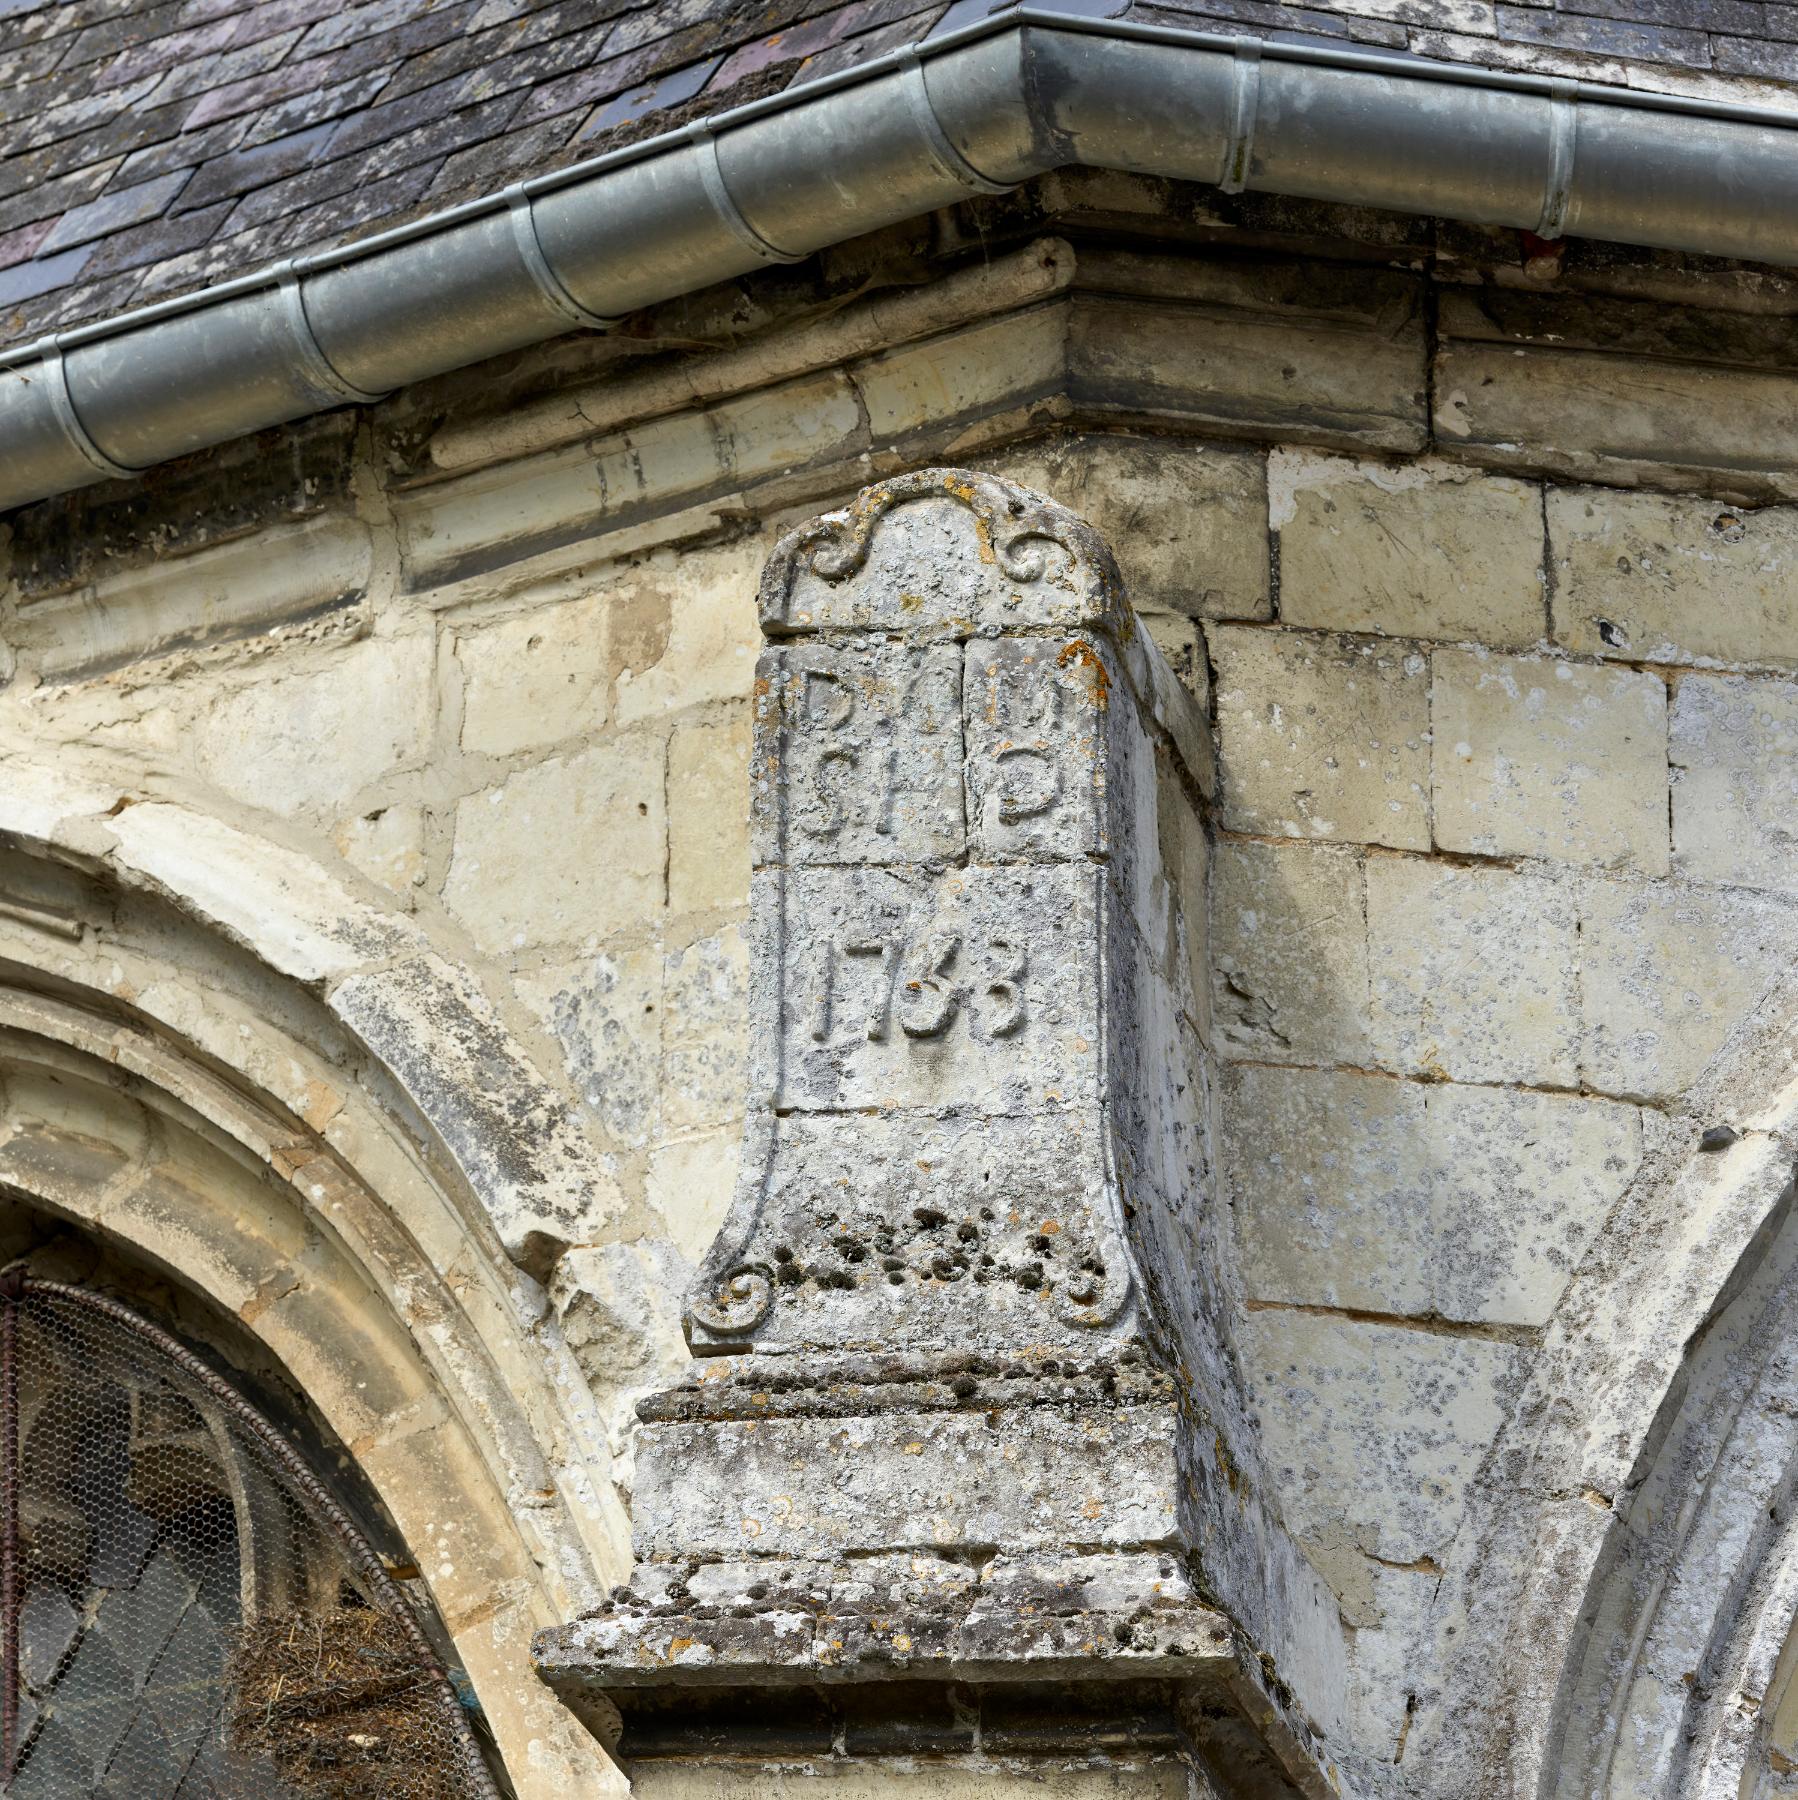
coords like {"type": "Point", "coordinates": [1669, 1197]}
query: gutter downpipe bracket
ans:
{"type": "Point", "coordinates": [1023, 93]}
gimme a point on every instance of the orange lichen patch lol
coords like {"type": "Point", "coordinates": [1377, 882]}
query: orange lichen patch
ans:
{"type": "Point", "coordinates": [1080, 654]}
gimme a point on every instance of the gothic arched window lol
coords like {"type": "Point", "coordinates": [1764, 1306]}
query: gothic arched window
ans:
{"type": "Point", "coordinates": [184, 1610]}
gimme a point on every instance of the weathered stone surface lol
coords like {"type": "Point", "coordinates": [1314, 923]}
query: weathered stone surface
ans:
{"type": "Point", "coordinates": [705, 994]}
{"type": "Point", "coordinates": [1515, 382]}
{"type": "Point", "coordinates": [1039, 760]}
{"type": "Point", "coordinates": [1468, 1203]}
{"type": "Point", "coordinates": [976, 988]}
{"type": "Point", "coordinates": [930, 1229]}
{"type": "Point", "coordinates": [1376, 1426]}
{"type": "Point", "coordinates": [679, 1780]}
{"type": "Point", "coordinates": [605, 1010]}
{"type": "Point", "coordinates": [453, 529]}
{"type": "Point", "coordinates": [518, 1144]}
{"type": "Point", "coordinates": [859, 757]}
{"type": "Point", "coordinates": [1289, 953]}
{"type": "Point", "coordinates": [1187, 523]}
{"type": "Point", "coordinates": [982, 368]}
{"type": "Point", "coordinates": [298, 472]}
{"type": "Point", "coordinates": [1323, 738]}
{"type": "Point", "coordinates": [1666, 971]}
{"type": "Point", "coordinates": [1659, 578]}
{"type": "Point", "coordinates": [372, 702]}
{"type": "Point", "coordinates": [1344, 365]}
{"type": "Point", "coordinates": [1038, 1479]}
{"type": "Point", "coordinates": [387, 845]}
{"type": "Point", "coordinates": [708, 827]}
{"type": "Point", "coordinates": [1537, 757]}
{"type": "Point", "coordinates": [230, 590]}
{"type": "Point", "coordinates": [562, 849]}
{"type": "Point", "coordinates": [964, 556]}
{"type": "Point", "coordinates": [681, 630]}
{"type": "Point", "coordinates": [1472, 972]}
{"type": "Point", "coordinates": [690, 1183]}
{"type": "Point", "coordinates": [533, 680]}
{"type": "Point", "coordinates": [1733, 746]}
{"type": "Point", "coordinates": [620, 1314]}
{"type": "Point", "coordinates": [890, 1615]}
{"type": "Point", "coordinates": [1421, 550]}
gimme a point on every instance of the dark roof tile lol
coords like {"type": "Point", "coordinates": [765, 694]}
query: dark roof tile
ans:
{"type": "Point", "coordinates": [203, 73]}
{"type": "Point", "coordinates": [192, 149]}
{"type": "Point", "coordinates": [42, 275]}
{"type": "Point", "coordinates": [312, 106]}
{"type": "Point", "coordinates": [653, 97]}
{"type": "Point", "coordinates": [81, 113]}
{"type": "Point", "coordinates": [480, 44]}
{"type": "Point", "coordinates": [155, 54]}
{"type": "Point", "coordinates": [46, 200]}
{"type": "Point", "coordinates": [115, 212]}
{"type": "Point", "coordinates": [63, 18]}
{"type": "Point", "coordinates": [1604, 37]}
{"type": "Point", "coordinates": [156, 240]}
{"type": "Point", "coordinates": [240, 171]}
{"type": "Point", "coordinates": [149, 147]}
{"type": "Point", "coordinates": [616, 74]}
{"type": "Point", "coordinates": [21, 243]}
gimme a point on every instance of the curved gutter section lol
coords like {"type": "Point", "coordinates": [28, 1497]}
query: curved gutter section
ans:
{"type": "Point", "coordinates": [977, 111]}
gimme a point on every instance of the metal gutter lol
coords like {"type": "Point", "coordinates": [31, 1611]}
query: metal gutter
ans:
{"type": "Point", "coordinates": [976, 111]}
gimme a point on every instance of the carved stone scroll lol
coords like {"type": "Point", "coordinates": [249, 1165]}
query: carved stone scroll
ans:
{"type": "Point", "coordinates": [952, 743]}
{"type": "Point", "coordinates": [962, 1435]}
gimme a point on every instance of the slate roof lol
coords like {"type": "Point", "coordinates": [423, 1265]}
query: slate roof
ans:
{"type": "Point", "coordinates": [152, 147]}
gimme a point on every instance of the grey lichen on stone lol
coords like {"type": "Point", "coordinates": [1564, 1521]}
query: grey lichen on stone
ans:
{"type": "Point", "coordinates": [954, 738]}
{"type": "Point", "coordinates": [966, 1414]}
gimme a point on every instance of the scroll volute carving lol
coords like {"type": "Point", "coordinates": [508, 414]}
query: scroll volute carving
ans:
{"type": "Point", "coordinates": [948, 758]}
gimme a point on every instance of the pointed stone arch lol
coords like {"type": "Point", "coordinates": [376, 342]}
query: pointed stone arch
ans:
{"type": "Point", "coordinates": [1656, 1363]}
{"type": "Point", "coordinates": [220, 1058]}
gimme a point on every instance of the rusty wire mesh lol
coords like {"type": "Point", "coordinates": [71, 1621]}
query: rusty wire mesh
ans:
{"type": "Point", "coordinates": [184, 1611]}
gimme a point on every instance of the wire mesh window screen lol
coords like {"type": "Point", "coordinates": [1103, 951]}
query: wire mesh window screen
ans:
{"type": "Point", "coordinates": [184, 1611]}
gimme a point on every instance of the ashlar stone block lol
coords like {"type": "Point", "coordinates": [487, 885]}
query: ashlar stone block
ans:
{"type": "Point", "coordinates": [1660, 578]}
{"type": "Point", "coordinates": [1537, 757]}
{"type": "Point", "coordinates": [1422, 550]}
{"type": "Point", "coordinates": [1377, 1427]}
{"type": "Point", "coordinates": [1188, 523]}
{"type": "Point", "coordinates": [564, 849]}
{"type": "Point", "coordinates": [1419, 1198]}
{"type": "Point", "coordinates": [372, 702]}
{"type": "Point", "coordinates": [1733, 747]}
{"type": "Point", "coordinates": [965, 988]}
{"type": "Point", "coordinates": [1473, 972]}
{"type": "Point", "coordinates": [1667, 970]}
{"type": "Point", "coordinates": [1289, 953]}
{"type": "Point", "coordinates": [859, 754]}
{"type": "Point", "coordinates": [1323, 738]}
{"type": "Point", "coordinates": [708, 830]}
{"type": "Point", "coordinates": [534, 680]}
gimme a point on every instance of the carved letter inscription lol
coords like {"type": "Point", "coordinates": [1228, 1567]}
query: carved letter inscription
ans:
{"type": "Point", "coordinates": [940, 769]}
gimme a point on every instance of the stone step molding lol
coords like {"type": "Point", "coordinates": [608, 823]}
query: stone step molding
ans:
{"type": "Point", "coordinates": [958, 1335]}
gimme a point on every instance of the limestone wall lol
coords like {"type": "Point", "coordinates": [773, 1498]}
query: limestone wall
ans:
{"type": "Point", "coordinates": [1497, 626]}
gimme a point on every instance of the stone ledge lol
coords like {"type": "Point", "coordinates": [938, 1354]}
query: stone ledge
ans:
{"type": "Point", "coordinates": [759, 1621]}
{"type": "Point", "coordinates": [850, 1386]}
